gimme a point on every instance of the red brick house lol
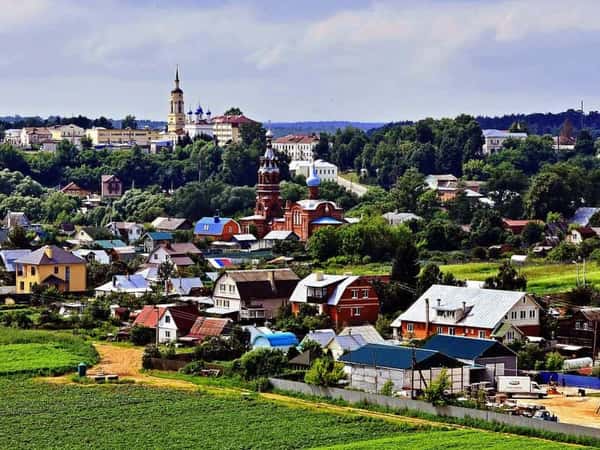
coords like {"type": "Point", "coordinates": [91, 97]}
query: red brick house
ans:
{"type": "Point", "coordinates": [346, 299]}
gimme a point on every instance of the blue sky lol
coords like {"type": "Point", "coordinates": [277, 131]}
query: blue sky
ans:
{"type": "Point", "coordinates": [308, 60]}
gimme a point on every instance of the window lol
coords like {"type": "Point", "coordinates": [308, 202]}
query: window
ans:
{"type": "Point", "coordinates": [356, 311]}
{"type": "Point", "coordinates": [32, 270]}
{"type": "Point", "coordinates": [155, 256]}
{"type": "Point", "coordinates": [167, 319]}
{"type": "Point", "coordinates": [231, 288]}
{"type": "Point", "coordinates": [410, 327]}
{"type": "Point", "coordinates": [439, 330]}
{"type": "Point", "coordinates": [354, 293]}
{"type": "Point", "coordinates": [365, 293]}
{"type": "Point", "coordinates": [67, 273]}
{"type": "Point", "coordinates": [510, 335]}
{"type": "Point", "coordinates": [532, 313]}
{"type": "Point", "coordinates": [523, 314]}
{"type": "Point", "coordinates": [481, 334]}
{"type": "Point", "coordinates": [223, 288]}
{"type": "Point", "coordinates": [578, 325]}
{"type": "Point", "coordinates": [22, 285]}
{"type": "Point", "coordinates": [167, 334]}
{"type": "Point", "coordinates": [451, 331]}
{"type": "Point", "coordinates": [55, 269]}
{"type": "Point", "coordinates": [513, 315]}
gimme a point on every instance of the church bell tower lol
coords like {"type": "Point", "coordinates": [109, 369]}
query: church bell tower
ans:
{"type": "Point", "coordinates": [268, 198]}
{"type": "Point", "coordinates": [176, 117]}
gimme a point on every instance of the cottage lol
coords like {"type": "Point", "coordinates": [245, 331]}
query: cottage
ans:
{"type": "Point", "coordinates": [50, 266]}
{"type": "Point", "coordinates": [171, 224]}
{"type": "Point", "coordinates": [206, 327]}
{"type": "Point", "coordinates": [87, 235]}
{"type": "Point", "coordinates": [154, 239]}
{"type": "Point", "coordinates": [110, 187]}
{"type": "Point", "coordinates": [409, 369]}
{"type": "Point", "coordinates": [172, 321]}
{"type": "Point", "coordinates": [245, 241]}
{"type": "Point", "coordinates": [347, 299]}
{"type": "Point", "coordinates": [128, 231]}
{"type": "Point", "coordinates": [578, 235]}
{"type": "Point", "coordinates": [490, 356]}
{"type": "Point", "coordinates": [217, 228]}
{"type": "Point", "coordinates": [580, 327]}
{"type": "Point", "coordinates": [467, 311]}
{"type": "Point", "coordinates": [74, 190]}
{"type": "Point", "coordinates": [253, 294]}
{"type": "Point", "coordinates": [184, 287]}
{"type": "Point", "coordinates": [177, 253]}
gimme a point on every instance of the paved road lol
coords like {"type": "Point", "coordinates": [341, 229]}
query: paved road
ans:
{"type": "Point", "coordinates": [356, 188]}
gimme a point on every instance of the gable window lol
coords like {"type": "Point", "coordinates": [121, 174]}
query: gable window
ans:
{"type": "Point", "coordinates": [55, 269]}
{"type": "Point", "coordinates": [532, 313]}
{"type": "Point", "coordinates": [481, 334]}
{"type": "Point", "coordinates": [513, 315]}
{"type": "Point", "coordinates": [523, 314]}
{"type": "Point", "coordinates": [167, 334]}
{"type": "Point", "coordinates": [410, 327]}
{"type": "Point", "coordinates": [231, 288]}
{"type": "Point", "coordinates": [354, 293]}
{"type": "Point", "coordinates": [365, 293]}
{"type": "Point", "coordinates": [356, 311]}
{"type": "Point", "coordinates": [451, 331]}
{"type": "Point", "coordinates": [223, 288]}
{"type": "Point", "coordinates": [167, 319]}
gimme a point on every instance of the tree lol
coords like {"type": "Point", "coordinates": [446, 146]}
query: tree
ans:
{"type": "Point", "coordinates": [407, 190]}
{"type": "Point", "coordinates": [129, 122]}
{"type": "Point", "coordinates": [325, 372]}
{"type": "Point", "coordinates": [405, 265]}
{"type": "Point", "coordinates": [323, 244]}
{"type": "Point", "coordinates": [142, 335]}
{"type": "Point", "coordinates": [532, 233]}
{"type": "Point", "coordinates": [507, 279]}
{"type": "Point", "coordinates": [17, 238]}
{"type": "Point", "coordinates": [233, 111]}
{"type": "Point", "coordinates": [165, 271]}
{"type": "Point", "coordinates": [253, 132]}
{"type": "Point", "coordinates": [486, 227]}
{"type": "Point", "coordinates": [262, 362]}
{"type": "Point", "coordinates": [431, 274]}
{"type": "Point", "coordinates": [435, 393]}
{"type": "Point", "coordinates": [554, 361]}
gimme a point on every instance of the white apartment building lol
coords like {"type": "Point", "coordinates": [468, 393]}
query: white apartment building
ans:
{"type": "Point", "coordinates": [297, 146]}
{"type": "Point", "coordinates": [325, 170]}
{"type": "Point", "coordinates": [495, 138]}
{"type": "Point", "coordinates": [31, 136]}
{"type": "Point", "coordinates": [13, 136]}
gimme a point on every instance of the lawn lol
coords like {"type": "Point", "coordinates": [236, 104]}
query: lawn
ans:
{"type": "Point", "coordinates": [37, 414]}
{"type": "Point", "coordinates": [26, 351]}
{"type": "Point", "coordinates": [541, 278]}
{"type": "Point", "coordinates": [459, 439]}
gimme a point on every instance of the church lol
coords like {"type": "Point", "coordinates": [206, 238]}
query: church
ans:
{"type": "Point", "coordinates": [303, 218]}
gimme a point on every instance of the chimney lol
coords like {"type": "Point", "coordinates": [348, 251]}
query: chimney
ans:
{"type": "Point", "coordinates": [427, 316]}
{"type": "Point", "coordinates": [439, 302]}
{"type": "Point", "coordinates": [48, 251]}
{"type": "Point", "coordinates": [319, 276]}
{"type": "Point", "coordinates": [464, 306]}
{"type": "Point", "coordinates": [271, 277]}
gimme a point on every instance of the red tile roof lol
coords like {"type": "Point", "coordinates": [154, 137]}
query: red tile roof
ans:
{"type": "Point", "coordinates": [296, 139]}
{"type": "Point", "coordinates": [236, 120]}
{"type": "Point", "coordinates": [183, 315]}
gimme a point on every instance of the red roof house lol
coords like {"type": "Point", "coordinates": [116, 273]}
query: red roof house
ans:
{"type": "Point", "coordinates": [172, 321]}
{"type": "Point", "coordinates": [205, 327]}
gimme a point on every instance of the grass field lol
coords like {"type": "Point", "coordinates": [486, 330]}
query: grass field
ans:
{"type": "Point", "coordinates": [37, 352]}
{"type": "Point", "coordinates": [541, 278]}
{"type": "Point", "coordinates": [37, 414]}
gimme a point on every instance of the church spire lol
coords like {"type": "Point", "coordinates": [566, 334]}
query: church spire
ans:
{"type": "Point", "coordinates": [177, 76]}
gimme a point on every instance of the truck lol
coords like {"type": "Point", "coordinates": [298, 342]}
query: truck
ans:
{"type": "Point", "coordinates": [519, 386]}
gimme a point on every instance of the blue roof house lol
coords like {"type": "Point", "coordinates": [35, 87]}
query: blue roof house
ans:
{"type": "Point", "coordinates": [217, 228]}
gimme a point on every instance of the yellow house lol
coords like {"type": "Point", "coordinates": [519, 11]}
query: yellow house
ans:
{"type": "Point", "coordinates": [51, 266]}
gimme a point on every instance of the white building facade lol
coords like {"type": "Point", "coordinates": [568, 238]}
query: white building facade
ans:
{"type": "Point", "coordinates": [494, 139]}
{"type": "Point", "coordinates": [298, 147]}
{"type": "Point", "coordinates": [325, 170]}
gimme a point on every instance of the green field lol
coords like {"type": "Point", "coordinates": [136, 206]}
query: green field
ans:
{"type": "Point", "coordinates": [541, 278]}
{"type": "Point", "coordinates": [42, 352]}
{"type": "Point", "coordinates": [36, 414]}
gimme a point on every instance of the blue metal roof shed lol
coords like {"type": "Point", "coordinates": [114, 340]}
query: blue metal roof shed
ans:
{"type": "Point", "coordinates": [467, 348]}
{"type": "Point", "coordinates": [160, 235]}
{"type": "Point", "coordinates": [398, 357]}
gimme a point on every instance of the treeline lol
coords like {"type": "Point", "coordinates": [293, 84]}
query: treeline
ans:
{"type": "Point", "coordinates": [80, 121]}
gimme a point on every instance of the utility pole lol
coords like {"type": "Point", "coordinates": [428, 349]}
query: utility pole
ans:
{"type": "Point", "coordinates": [582, 113]}
{"type": "Point", "coordinates": [157, 325]}
{"type": "Point", "coordinates": [594, 343]}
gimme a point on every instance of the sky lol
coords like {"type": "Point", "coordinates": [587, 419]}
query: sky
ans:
{"type": "Point", "coordinates": [280, 60]}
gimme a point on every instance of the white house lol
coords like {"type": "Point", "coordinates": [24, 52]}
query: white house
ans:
{"type": "Point", "coordinates": [494, 139]}
{"type": "Point", "coordinates": [130, 231]}
{"type": "Point", "coordinates": [172, 321]}
{"type": "Point", "coordinates": [135, 285]}
{"type": "Point", "coordinates": [99, 256]}
{"type": "Point", "coordinates": [298, 147]}
{"type": "Point", "coordinates": [325, 170]}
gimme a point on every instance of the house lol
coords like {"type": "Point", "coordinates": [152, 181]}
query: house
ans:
{"type": "Point", "coordinates": [150, 273]}
{"type": "Point", "coordinates": [517, 226]}
{"type": "Point", "coordinates": [69, 132]}
{"type": "Point", "coordinates": [9, 257]}
{"type": "Point", "coordinates": [172, 321]}
{"type": "Point", "coordinates": [245, 241]}
{"type": "Point", "coordinates": [578, 235]}
{"type": "Point", "coordinates": [325, 170]}
{"type": "Point", "coordinates": [128, 231]}
{"type": "Point", "coordinates": [409, 369]}
{"type": "Point", "coordinates": [154, 239]}
{"type": "Point", "coordinates": [74, 190]}
{"type": "Point", "coordinates": [253, 294]}
{"type": "Point", "coordinates": [51, 266]}
{"type": "Point", "coordinates": [269, 240]}
{"type": "Point", "coordinates": [494, 139]}
{"type": "Point", "coordinates": [123, 253]}
{"type": "Point", "coordinates": [207, 327]}
{"type": "Point", "coordinates": [279, 340]}
{"type": "Point", "coordinates": [109, 244]}
{"type": "Point", "coordinates": [135, 285]}
{"type": "Point", "coordinates": [16, 219]}
{"type": "Point", "coordinates": [340, 345]}
{"type": "Point", "coordinates": [467, 311]}
{"type": "Point", "coordinates": [396, 218]}
{"type": "Point", "coordinates": [98, 256]}
{"type": "Point", "coordinates": [492, 358]}
{"type": "Point", "coordinates": [583, 215]}
{"type": "Point", "coordinates": [321, 337]}
{"type": "Point", "coordinates": [580, 327]}
{"type": "Point", "coordinates": [217, 228]}
{"type": "Point", "coordinates": [177, 253]}
{"type": "Point", "coordinates": [226, 129]}
{"type": "Point", "coordinates": [87, 235]}
{"type": "Point", "coordinates": [184, 287]}
{"type": "Point", "coordinates": [171, 224]}
{"type": "Point", "coordinates": [346, 299]}
{"type": "Point", "coordinates": [110, 187]}
{"type": "Point", "coordinates": [436, 182]}
{"type": "Point", "coordinates": [368, 333]}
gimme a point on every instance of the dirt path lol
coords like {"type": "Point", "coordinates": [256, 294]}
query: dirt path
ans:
{"type": "Point", "coordinates": [575, 410]}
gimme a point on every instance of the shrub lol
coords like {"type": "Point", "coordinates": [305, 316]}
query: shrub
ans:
{"type": "Point", "coordinates": [142, 335]}
{"type": "Point", "coordinates": [261, 384]}
{"type": "Point", "coordinates": [480, 253]}
{"type": "Point", "coordinates": [325, 372]}
{"type": "Point", "coordinates": [217, 349]}
{"type": "Point", "coordinates": [262, 362]}
{"type": "Point", "coordinates": [554, 361]}
{"type": "Point", "coordinates": [151, 351]}
{"type": "Point", "coordinates": [435, 392]}
{"type": "Point", "coordinates": [388, 388]}
{"type": "Point", "coordinates": [193, 368]}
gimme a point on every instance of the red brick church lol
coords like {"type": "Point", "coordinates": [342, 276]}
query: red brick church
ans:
{"type": "Point", "coordinates": [303, 217]}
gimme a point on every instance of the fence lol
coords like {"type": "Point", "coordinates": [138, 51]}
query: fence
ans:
{"type": "Point", "coordinates": [448, 411]}
{"type": "Point", "coordinates": [167, 364]}
{"type": "Point", "coordinates": [570, 380]}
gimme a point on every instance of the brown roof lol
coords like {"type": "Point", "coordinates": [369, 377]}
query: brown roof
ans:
{"type": "Point", "coordinates": [181, 248]}
{"type": "Point", "coordinates": [207, 326]}
{"type": "Point", "coordinates": [297, 139]}
{"type": "Point", "coordinates": [72, 187]}
{"type": "Point", "coordinates": [183, 315]}
{"type": "Point", "coordinates": [59, 256]}
{"type": "Point", "coordinates": [182, 261]}
{"type": "Point", "coordinates": [266, 283]}
{"type": "Point", "coordinates": [586, 232]}
{"type": "Point", "coordinates": [106, 178]}
{"type": "Point", "coordinates": [172, 223]}
{"type": "Point", "coordinates": [592, 314]}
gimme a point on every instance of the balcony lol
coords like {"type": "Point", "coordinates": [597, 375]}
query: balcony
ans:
{"type": "Point", "coordinates": [316, 295]}
{"type": "Point", "coordinates": [252, 313]}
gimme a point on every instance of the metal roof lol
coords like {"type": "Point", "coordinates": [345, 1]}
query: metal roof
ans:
{"type": "Point", "coordinates": [109, 244]}
{"type": "Point", "coordinates": [465, 347]}
{"type": "Point", "coordinates": [349, 342]}
{"type": "Point", "coordinates": [160, 235]}
{"type": "Point", "coordinates": [279, 235]}
{"type": "Point", "coordinates": [503, 134]}
{"type": "Point", "coordinates": [321, 337]}
{"type": "Point", "coordinates": [59, 256]}
{"type": "Point", "coordinates": [368, 332]}
{"type": "Point", "coordinates": [211, 226]}
{"type": "Point", "coordinates": [278, 339]}
{"type": "Point", "coordinates": [583, 215]}
{"type": "Point", "coordinates": [10, 256]}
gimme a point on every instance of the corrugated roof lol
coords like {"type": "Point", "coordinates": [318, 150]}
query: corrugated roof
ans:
{"type": "Point", "coordinates": [368, 332]}
{"type": "Point", "coordinates": [279, 339]}
{"type": "Point", "coordinates": [59, 256]}
{"type": "Point", "coordinates": [183, 286]}
{"type": "Point", "coordinates": [350, 342]}
{"type": "Point", "coordinates": [280, 235]}
{"type": "Point", "coordinates": [322, 337]}
{"type": "Point", "coordinates": [583, 215]}
{"type": "Point", "coordinates": [209, 326]}
{"type": "Point", "coordinates": [211, 226]}
{"type": "Point", "coordinates": [465, 347]}
{"type": "Point", "coordinates": [10, 256]}
{"type": "Point", "coordinates": [126, 283]}
{"type": "Point", "coordinates": [342, 281]}
{"type": "Point", "coordinates": [398, 357]}
{"type": "Point", "coordinates": [486, 308]}
{"type": "Point", "coordinates": [160, 235]}
{"type": "Point", "coordinates": [110, 244]}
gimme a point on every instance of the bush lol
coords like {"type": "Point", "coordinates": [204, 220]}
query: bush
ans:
{"type": "Point", "coordinates": [388, 388]}
{"type": "Point", "coordinates": [262, 362]}
{"type": "Point", "coordinates": [435, 392]}
{"type": "Point", "coordinates": [151, 351]}
{"type": "Point", "coordinates": [554, 361]}
{"type": "Point", "coordinates": [142, 335]}
{"type": "Point", "coordinates": [215, 349]}
{"type": "Point", "coordinates": [325, 372]}
{"type": "Point", "coordinates": [480, 253]}
{"type": "Point", "coordinates": [261, 384]}
{"type": "Point", "coordinates": [193, 368]}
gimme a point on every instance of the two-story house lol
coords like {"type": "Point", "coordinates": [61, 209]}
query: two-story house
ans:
{"type": "Point", "coordinates": [50, 266]}
{"type": "Point", "coordinates": [128, 231]}
{"type": "Point", "coordinates": [217, 228]}
{"type": "Point", "coordinates": [253, 295]}
{"type": "Point", "coordinates": [171, 321]}
{"type": "Point", "coordinates": [580, 327]}
{"type": "Point", "coordinates": [468, 311]}
{"type": "Point", "coordinates": [111, 186]}
{"type": "Point", "coordinates": [346, 299]}
{"type": "Point", "coordinates": [178, 253]}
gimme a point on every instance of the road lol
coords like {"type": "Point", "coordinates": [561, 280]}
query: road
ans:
{"type": "Point", "coordinates": [356, 188]}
